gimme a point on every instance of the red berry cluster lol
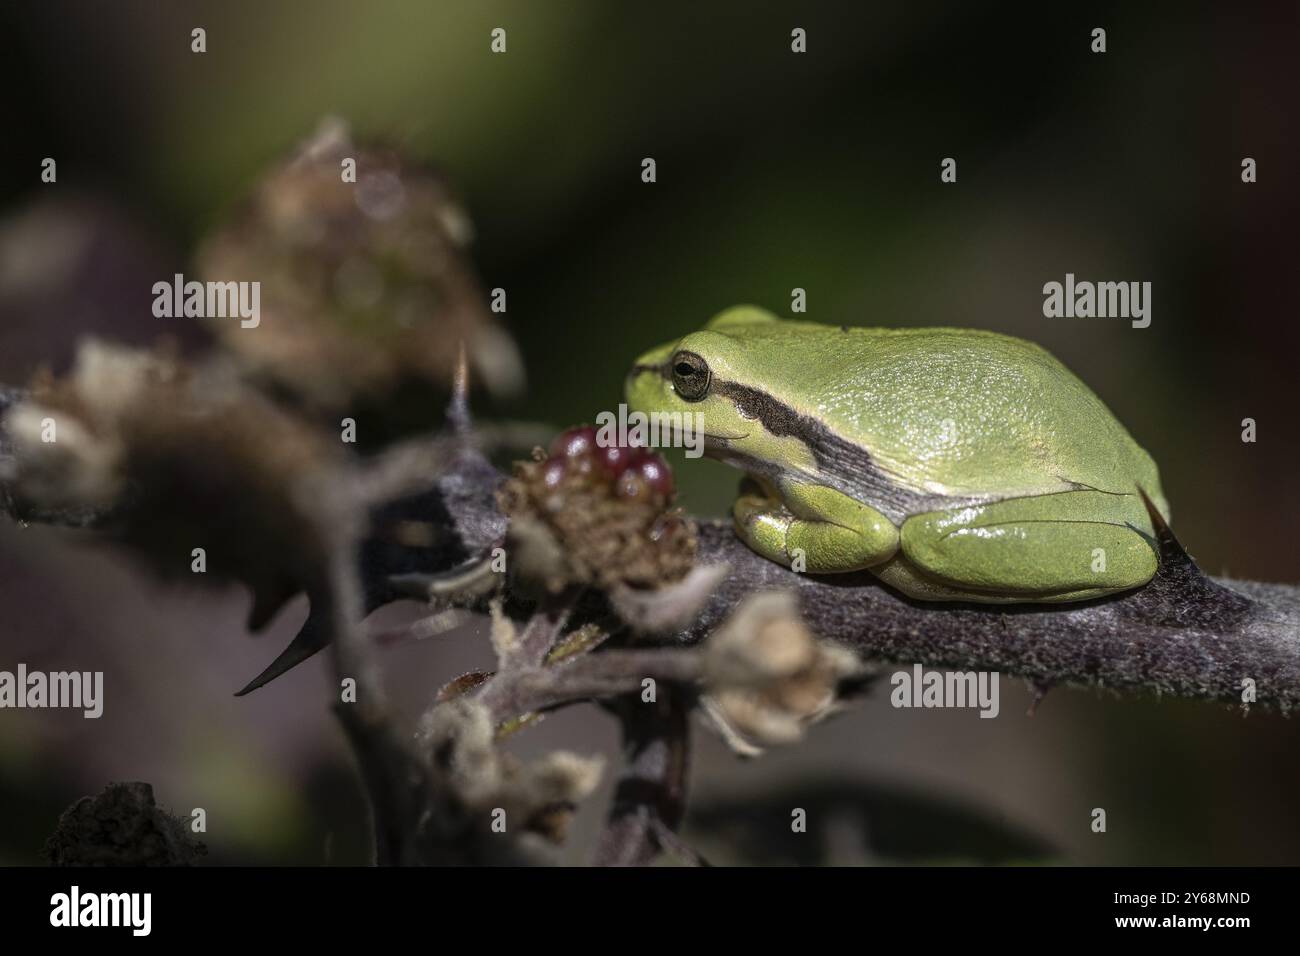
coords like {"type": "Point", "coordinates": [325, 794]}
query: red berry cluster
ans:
{"type": "Point", "coordinates": [636, 471]}
{"type": "Point", "coordinates": [607, 510]}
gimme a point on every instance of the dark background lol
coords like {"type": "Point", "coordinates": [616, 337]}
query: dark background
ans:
{"type": "Point", "coordinates": [775, 170]}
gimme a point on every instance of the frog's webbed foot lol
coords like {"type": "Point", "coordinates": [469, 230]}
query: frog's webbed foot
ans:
{"type": "Point", "coordinates": [812, 528]}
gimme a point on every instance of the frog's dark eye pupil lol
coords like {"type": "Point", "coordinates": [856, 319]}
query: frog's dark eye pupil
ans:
{"type": "Point", "coordinates": [690, 376]}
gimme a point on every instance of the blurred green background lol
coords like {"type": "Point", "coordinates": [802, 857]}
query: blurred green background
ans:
{"type": "Point", "coordinates": [775, 171]}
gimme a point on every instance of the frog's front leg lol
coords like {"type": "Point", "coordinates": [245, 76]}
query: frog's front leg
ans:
{"type": "Point", "coordinates": [833, 532]}
{"type": "Point", "coordinates": [1067, 546]}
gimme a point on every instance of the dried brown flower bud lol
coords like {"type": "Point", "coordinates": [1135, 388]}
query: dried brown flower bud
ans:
{"type": "Point", "coordinates": [768, 677]}
{"type": "Point", "coordinates": [364, 278]}
{"type": "Point", "coordinates": [538, 797]}
{"type": "Point", "coordinates": [184, 460]}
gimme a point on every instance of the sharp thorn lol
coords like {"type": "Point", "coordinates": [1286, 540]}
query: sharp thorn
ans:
{"type": "Point", "coordinates": [308, 641]}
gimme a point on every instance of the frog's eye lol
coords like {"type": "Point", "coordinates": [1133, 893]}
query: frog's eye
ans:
{"type": "Point", "coordinates": [690, 376]}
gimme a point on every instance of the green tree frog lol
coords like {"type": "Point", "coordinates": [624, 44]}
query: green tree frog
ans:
{"type": "Point", "coordinates": [954, 464]}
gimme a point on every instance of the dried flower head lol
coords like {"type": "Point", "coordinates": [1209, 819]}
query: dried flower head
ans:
{"type": "Point", "coordinates": [183, 458]}
{"type": "Point", "coordinates": [768, 677]}
{"type": "Point", "coordinates": [538, 797]}
{"type": "Point", "coordinates": [365, 280]}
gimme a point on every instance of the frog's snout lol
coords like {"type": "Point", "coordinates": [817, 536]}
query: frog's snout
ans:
{"type": "Point", "coordinates": [643, 387]}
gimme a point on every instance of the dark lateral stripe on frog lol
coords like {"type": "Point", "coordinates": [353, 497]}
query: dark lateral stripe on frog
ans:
{"type": "Point", "coordinates": [843, 465]}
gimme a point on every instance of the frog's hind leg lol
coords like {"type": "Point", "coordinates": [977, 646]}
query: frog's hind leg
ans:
{"type": "Point", "coordinates": [1067, 546]}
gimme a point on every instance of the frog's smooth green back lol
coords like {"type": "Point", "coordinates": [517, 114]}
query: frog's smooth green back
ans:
{"type": "Point", "coordinates": [945, 410]}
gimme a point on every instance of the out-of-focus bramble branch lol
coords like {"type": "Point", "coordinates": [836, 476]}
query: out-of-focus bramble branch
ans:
{"type": "Point", "coordinates": [608, 674]}
{"type": "Point", "coordinates": [650, 798]}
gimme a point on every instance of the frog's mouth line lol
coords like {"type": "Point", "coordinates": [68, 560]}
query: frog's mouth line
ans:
{"type": "Point", "coordinates": [724, 440]}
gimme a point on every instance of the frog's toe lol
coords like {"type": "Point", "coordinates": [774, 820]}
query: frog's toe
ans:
{"type": "Point", "coordinates": [763, 525]}
{"type": "Point", "coordinates": [852, 536]}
